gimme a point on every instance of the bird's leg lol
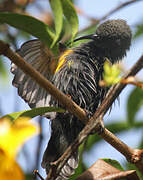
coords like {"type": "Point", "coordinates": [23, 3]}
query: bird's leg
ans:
{"type": "Point", "coordinates": [101, 126]}
{"type": "Point", "coordinates": [88, 113]}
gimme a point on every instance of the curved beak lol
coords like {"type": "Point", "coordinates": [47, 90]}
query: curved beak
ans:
{"type": "Point", "coordinates": [91, 36]}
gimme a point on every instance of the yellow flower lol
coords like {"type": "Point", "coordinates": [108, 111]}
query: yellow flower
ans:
{"type": "Point", "coordinates": [12, 137]}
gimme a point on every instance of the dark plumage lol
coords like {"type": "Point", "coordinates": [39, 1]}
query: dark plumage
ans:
{"type": "Point", "coordinates": [77, 77]}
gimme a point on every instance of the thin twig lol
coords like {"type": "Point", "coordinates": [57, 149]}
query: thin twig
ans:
{"type": "Point", "coordinates": [39, 143]}
{"type": "Point", "coordinates": [119, 7]}
{"type": "Point", "coordinates": [95, 21]}
{"type": "Point", "coordinates": [36, 174]}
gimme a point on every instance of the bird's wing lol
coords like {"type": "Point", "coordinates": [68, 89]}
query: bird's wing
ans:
{"type": "Point", "coordinates": [36, 54]}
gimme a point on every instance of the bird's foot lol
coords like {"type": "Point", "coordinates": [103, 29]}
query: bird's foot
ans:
{"type": "Point", "coordinates": [99, 128]}
{"type": "Point", "coordinates": [88, 113]}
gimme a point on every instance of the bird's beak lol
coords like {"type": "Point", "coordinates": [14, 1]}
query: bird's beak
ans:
{"type": "Point", "coordinates": [91, 36]}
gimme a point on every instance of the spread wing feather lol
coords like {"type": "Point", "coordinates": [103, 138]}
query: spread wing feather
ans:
{"type": "Point", "coordinates": [36, 54]}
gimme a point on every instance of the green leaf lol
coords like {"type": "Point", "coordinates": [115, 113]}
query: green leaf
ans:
{"type": "Point", "coordinates": [111, 73]}
{"type": "Point", "coordinates": [133, 166]}
{"type": "Point", "coordinates": [29, 24]}
{"type": "Point", "coordinates": [135, 101]}
{"type": "Point", "coordinates": [114, 163]}
{"type": "Point", "coordinates": [71, 16]}
{"type": "Point", "coordinates": [58, 17]}
{"type": "Point", "coordinates": [90, 30]}
{"type": "Point", "coordinates": [34, 112]}
{"type": "Point", "coordinates": [29, 176]}
{"type": "Point", "coordinates": [139, 30]}
{"type": "Point", "coordinates": [141, 143]}
{"type": "Point", "coordinates": [87, 31]}
{"type": "Point", "coordinates": [3, 72]}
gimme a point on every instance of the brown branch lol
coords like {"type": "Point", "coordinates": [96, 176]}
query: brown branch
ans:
{"type": "Point", "coordinates": [117, 144]}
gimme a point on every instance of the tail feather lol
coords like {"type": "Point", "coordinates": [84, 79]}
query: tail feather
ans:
{"type": "Point", "coordinates": [69, 167]}
{"type": "Point", "coordinates": [64, 131]}
{"type": "Point", "coordinates": [67, 170]}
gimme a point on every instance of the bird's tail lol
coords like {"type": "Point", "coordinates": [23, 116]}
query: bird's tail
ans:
{"type": "Point", "coordinates": [67, 170]}
{"type": "Point", "coordinates": [63, 134]}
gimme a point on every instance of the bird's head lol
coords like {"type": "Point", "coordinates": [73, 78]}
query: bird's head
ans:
{"type": "Point", "coordinates": [113, 37]}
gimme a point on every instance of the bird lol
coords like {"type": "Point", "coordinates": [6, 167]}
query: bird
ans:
{"type": "Point", "coordinates": [77, 74]}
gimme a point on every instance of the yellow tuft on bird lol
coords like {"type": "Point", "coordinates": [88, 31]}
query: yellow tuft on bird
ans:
{"type": "Point", "coordinates": [62, 59]}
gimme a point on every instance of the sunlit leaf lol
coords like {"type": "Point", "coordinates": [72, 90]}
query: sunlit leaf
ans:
{"type": "Point", "coordinates": [139, 30]}
{"type": "Point", "coordinates": [58, 18]}
{"type": "Point", "coordinates": [135, 101]}
{"type": "Point", "coordinates": [71, 16]}
{"type": "Point", "coordinates": [34, 112]}
{"type": "Point", "coordinates": [111, 74]}
{"type": "Point", "coordinates": [3, 72]}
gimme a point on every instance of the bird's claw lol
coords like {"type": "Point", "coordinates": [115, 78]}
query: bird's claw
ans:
{"type": "Point", "coordinates": [99, 129]}
{"type": "Point", "coordinates": [88, 114]}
